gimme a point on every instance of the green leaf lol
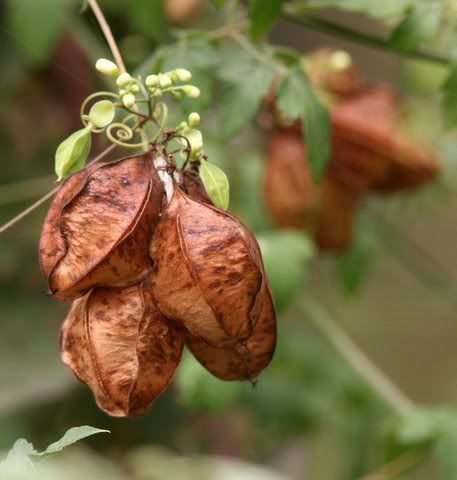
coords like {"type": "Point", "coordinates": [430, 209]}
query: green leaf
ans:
{"type": "Point", "coordinates": [263, 15]}
{"type": "Point", "coordinates": [374, 8]}
{"type": "Point", "coordinates": [355, 262]}
{"type": "Point", "coordinates": [102, 113]}
{"type": "Point", "coordinates": [296, 99]}
{"type": "Point", "coordinates": [419, 26]}
{"type": "Point", "coordinates": [216, 184]}
{"type": "Point", "coordinates": [245, 82]}
{"type": "Point", "coordinates": [285, 255]}
{"type": "Point", "coordinates": [72, 436]}
{"type": "Point", "coordinates": [147, 18]}
{"type": "Point", "coordinates": [449, 100]}
{"type": "Point", "coordinates": [201, 390]}
{"type": "Point", "coordinates": [36, 25]}
{"type": "Point", "coordinates": [72, 153]}
{"type": "Point", "coordinates": [218, 3]}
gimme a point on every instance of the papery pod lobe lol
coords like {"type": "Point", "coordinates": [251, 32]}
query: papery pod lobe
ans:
{"type": "Point", "coordinates": [242, 361]}
{"type": "Point", "coordinates": [288, 187]}
{"type": "Point", "coordinates": [118, 343]}
{"type": "Point", "coordinates": [97, 230]}
{"type": "Point", "coordinates": [208, 272]}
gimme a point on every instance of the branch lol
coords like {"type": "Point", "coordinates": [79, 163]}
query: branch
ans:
{"type": "Point", "coordinates": [49, 195]}
{"type": "Point", "coordinates": [356, 358]}
{"type": "Point", "coordinates": [108, 34]}
{"type": "Point", "coordinates": [330, 28]}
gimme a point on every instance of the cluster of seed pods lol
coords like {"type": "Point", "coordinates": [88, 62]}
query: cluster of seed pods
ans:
{"type": "Point", "coordinates": [151, 266]}
{"type": "Point", "coordinates": [370, 153]}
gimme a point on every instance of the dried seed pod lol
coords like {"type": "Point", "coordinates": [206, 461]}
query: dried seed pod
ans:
{"type": "Point", "coordinates": [97, 230]}
{"type": "Point", "coordinates": [117, 342]}
{"type": "Point", "coordinates": [288, 186]}
{"type": "Point", "coordinates": [337, 211]}
{"type": "Point", "coordinates": [208, 272]}
{"type": "Point", "coordinates": [191, 184]}
{"type": "Point", "coordinates": [333, 70]}
{"type": "Point", "coordinates": [242, 361]}
{"type": "Point", "coordinates": [369, 150]}
{"type": "Point", "coordinates": [181, 11]}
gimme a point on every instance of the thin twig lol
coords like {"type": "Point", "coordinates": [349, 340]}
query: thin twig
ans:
{"type": "Point", "coordinates": [356, 358]}
{"type": "Point", "coordinates": [49, 195]}
{"type": "Point", "coordinates": [106, 29]}
{"type": "Point", "coordinates": [336, 30]}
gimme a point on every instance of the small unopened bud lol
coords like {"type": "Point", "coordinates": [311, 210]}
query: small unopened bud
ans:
{"type": "Point", "coordinates": [165, 81]}
{"type": "Point", "coordinates": [181, 126]}
{"type": "Point", "coordinates": [340, 60]}
{"type": "Point", "coordinates": [194, 120]}
{"type": "Point", "coordinates": [124, 79]}
{"type": "Point", "coordinates": [152, 81]}
{"type": "Point", "coordinates": [107, 67]}
{"type": "Point", "coordinates": [123, 91]}
{"type": "Point", "coordinates": [128, 100]}
{"type": "Point", "coordinates": [134, 88]}
{"type": "Point", "coordinates": [183, 75]}
{"type": "Point", "coordinates": [191, 91]}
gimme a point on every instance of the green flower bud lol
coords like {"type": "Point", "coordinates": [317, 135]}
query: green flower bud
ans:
{"type": "Point", "coordinates": [183, 75]}
{"type": "Point", "coordinates": [123, 91]}
{"type": "Point", "coordinates": [129, 100]}
{"type": "Point", "coordinates": [181, 126]}
{"type": "Point", "coordinates": [165, 81]}
{"type": "Point", "coordinates": [152, 81]}
{"type": "Point", "coordinates": [191, 91]}
{"type": "Point", "coordinates": [134, 88]}
{"type": "Point", "coordinates": [195, 139]}
{"type": "Point", "coordinates": [107, 67]}
{"type": "Point", "coordinates": [124, 79]}
{"type": "Point", "coordinates": [194, 120]}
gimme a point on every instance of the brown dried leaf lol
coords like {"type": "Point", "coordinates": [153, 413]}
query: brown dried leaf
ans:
{"type": "Point", "coordinates": [207, 272]}
{"type": "Point", "coordinates": [117, 342]}
{"type": "Point", "coordinates": [241, 361]}
{"type": "Point", "coordinates": [288, 186]}
{"type": "Point", "coordinates": [99, 225]}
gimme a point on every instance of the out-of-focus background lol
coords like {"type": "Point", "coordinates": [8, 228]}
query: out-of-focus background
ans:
{"type": "Point", "coordinates": [310, 416]}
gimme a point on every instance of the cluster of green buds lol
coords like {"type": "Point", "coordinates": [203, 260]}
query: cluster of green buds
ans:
{"type": "Point", "coordinates": [133, 93]}
{"type": "Point", "coordinates": [167, 83]}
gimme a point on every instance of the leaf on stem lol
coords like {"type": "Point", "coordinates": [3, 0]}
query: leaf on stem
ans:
{"type": "Point", "coordinates": [263, 15]}
{"type": "Point", "coordinates": [419, 26]}
{"type": "Point", "coordinates": [72, 153]}
{"type": "Point", "coordinates": [296, 99]}
{"type": "Point", "coordinates": [216, 184]}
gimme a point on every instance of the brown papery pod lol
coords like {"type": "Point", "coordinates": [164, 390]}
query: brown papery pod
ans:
{"type": "Point", "coordinates": [288, 187]}
{"type": "Point", "coordinates": [242, 361]}
{"type": "Point", "coordinates": [117, 342]}
{"type": "Point", "coordinates": [99, 225]}
{"type": "Point", "coordinates": [337, 211]}
{"type": "Point", "coordinates": [208, 272]}
{"type": "Point", "coordinates": [370, 152]}
{"type": "Point", "coordinates": [191, 184]}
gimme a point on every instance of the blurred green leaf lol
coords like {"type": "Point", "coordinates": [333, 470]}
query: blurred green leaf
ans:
{"type": "Point", "coordinates": [354, 263]}
{"type": "Point", "coordinates": [263, 15]}
{"type": "Point", "coordinates": [216, 184]}
{"type": "Point", "coordinates": [449, 101]}
{"type": "Point", "coordinates": [147, 18]}
{"type": "Point", "coordinates": [72, 153]}
{"type": "Point", "coordinates": [72, 436]}
{"type": "Point", "coordinates": [201, 390]}
{"type": "Point", "coordinates": [446, 446]}
{"type": "Point", "coordinates": [36, 26]}
{"type": "Point", "coordinates": [285, 256]}
{"type": "Point", "coordinates": [296, 98]}
{"type": "Point", "coordinates": [245, 82]}
{"type": "Point", "coordinates": [420, 25]}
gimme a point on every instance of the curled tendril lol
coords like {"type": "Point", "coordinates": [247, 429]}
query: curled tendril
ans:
{"type": "Point", "coordinates": [164, 114]}
{"type": "Point", "coordinates": [84, 116]}
{"type": "Point", "coordinates": [121, 133]}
